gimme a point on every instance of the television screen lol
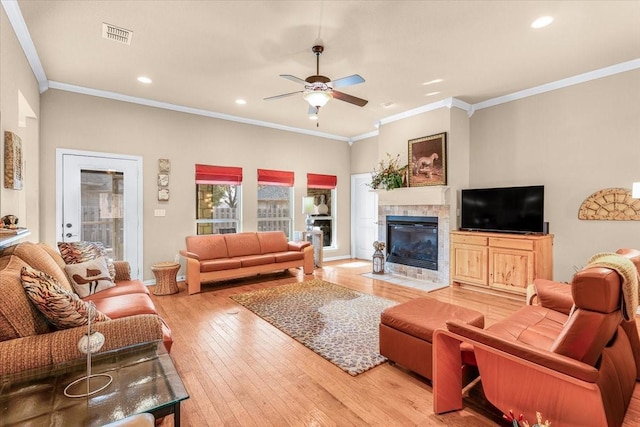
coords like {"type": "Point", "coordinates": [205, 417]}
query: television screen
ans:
{"type": "Point", "coordinates": [508, 209]}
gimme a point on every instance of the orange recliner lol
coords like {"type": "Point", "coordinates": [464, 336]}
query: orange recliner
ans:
{"type": "Point", "coordinates": [577, 369]}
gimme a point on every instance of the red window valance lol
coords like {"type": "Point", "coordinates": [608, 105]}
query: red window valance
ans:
{"type": "Point", "coordinates": [315, 180]}
{"type": "Point", "coordinates": [272, 177]}
{"type": "Point", "coordinates": [230, 175]}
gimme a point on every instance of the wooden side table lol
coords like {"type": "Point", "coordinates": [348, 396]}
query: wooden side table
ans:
{"type": "Point", "coordinates": [165, 273]}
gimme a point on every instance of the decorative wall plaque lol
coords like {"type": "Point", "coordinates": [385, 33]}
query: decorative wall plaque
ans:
{"type": "Point", "coordinates": [12, 161]}
{"type": "Point", "coordinates": [612, 204]}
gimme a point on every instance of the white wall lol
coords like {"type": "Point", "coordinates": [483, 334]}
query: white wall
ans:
{"type": "Point", "coordinates": [16, 77]}
{"type": "Point", "coordinates": [83, 122]}
{"type": "Point", "coordinates": [575, 141]}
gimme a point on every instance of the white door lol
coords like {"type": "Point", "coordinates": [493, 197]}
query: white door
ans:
{"type": "Point", "coordinates": [364, 216]}
{"type": "Point", "coordinates": [99, 200]}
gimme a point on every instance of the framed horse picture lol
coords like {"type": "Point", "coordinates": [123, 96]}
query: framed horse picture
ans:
{"type": "Point", "coordinates": [427, 160]}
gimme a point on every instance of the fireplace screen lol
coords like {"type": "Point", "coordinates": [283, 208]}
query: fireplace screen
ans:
{"type": "Point", "coordinates": [413, 240]}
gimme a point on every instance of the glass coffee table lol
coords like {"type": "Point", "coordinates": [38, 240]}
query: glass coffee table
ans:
{"type": "Point", "coordinates": [144, 380]}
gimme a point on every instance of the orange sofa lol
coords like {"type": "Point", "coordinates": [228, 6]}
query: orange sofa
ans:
{"type": "Point", "coordinates": [213, 257]}
{"type": "Point", "coordinates": [574, 358]}
{"type": "Point", "coordinates": [28, 340]}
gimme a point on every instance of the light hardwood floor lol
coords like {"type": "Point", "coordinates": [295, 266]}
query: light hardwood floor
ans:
{"type": "Point", "coordinates": [241, 371]}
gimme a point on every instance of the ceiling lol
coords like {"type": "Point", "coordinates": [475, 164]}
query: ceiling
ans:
{"type": "Point", "coordinates": [204, 55]}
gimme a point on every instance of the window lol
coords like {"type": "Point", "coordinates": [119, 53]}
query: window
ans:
{"type": "Point", "coordinates": [218, 199]}
{"type": "Point", "coordinates": [275, 192]}
{"type": "Point", "coordinates": [323, 189]}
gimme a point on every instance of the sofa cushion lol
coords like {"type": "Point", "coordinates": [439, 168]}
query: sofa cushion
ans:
{"type": "Point", "coordinates": [273, 241]}
{"type": "Point", "coordinates": [38, 258]}
{"type": "Point", "coordinates": [125, 305]}
{"type": "Point", "coordinates": [77, 252]}
{"type": "Point", "coordinates": [253, 260]}
{"type": "Point", "coordinates": [211, 246]}
{"type": "Point", "coordinates": [89, 277]}
{"type": "Point", "coordinates": [288, 256]}
{"type": "Point", "coordinates": [242, 244]}
{"type": "Point", "coordinates": [532, 325]}
{"type": "Point", "coordinates": [61, 307]}
{"type": "Point", "coordinates": [53, 253]}
{"type": "Point", "coordinates": [18, 316]}
{"type": "Point", "coordinates": [125, 287]}
{"type": "Point", "coordinates": [553, 295]}
{"type": "Point", "coordinates": [219, 264]}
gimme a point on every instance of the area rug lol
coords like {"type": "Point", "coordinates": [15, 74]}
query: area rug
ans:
{"type": "Point", "coordinates": [337, 323]}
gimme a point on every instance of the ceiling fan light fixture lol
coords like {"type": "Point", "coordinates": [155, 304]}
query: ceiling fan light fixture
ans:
{"type": "Point", "coordinates": [317, 98]}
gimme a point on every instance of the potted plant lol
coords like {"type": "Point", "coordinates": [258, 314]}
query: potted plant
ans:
{"type": "Point", "coordinates": [390, 175]}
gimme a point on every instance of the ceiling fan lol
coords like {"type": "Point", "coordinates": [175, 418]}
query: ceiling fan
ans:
{"type": "Point", "coordinates": [318, 89]}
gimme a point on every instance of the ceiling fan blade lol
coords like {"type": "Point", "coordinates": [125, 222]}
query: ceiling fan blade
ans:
{"type": "Point", "coordinates": [294, 79]}
{"type": "Point", "coordinates": [284, 95]}
{"type": "Point", "coordinates": [350, 98]}
{"type": "Point", "coordinates": [347, 81]}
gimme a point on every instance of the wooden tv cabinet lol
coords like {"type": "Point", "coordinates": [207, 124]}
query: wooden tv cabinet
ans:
{"type": "Point", "coordinates": [500, 262]}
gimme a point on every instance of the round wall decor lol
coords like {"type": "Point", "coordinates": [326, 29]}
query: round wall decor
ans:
{"type": "Point", "coordinates": [613, 204]}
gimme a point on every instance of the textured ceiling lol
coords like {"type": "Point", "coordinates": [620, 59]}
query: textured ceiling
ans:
{"type": "Point", "coordinates": [206, 54]}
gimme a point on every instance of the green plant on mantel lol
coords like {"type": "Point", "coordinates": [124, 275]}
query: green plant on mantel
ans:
{"type": "Point", "coordinates": [388, 176]}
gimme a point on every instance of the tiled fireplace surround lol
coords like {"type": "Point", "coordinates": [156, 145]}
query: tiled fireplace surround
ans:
{"type": "Point", "coordinates": [417, 202]}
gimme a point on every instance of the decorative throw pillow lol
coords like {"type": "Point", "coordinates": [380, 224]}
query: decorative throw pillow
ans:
{"type": "Point", "coordinates": [62, 308]}
{"type": "Point", "coordinates": [89, 277]}
{"type": "Point", "coordinates": [77, 252]}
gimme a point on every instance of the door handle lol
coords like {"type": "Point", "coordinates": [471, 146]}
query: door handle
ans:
{"type": "Point", "coordinates": [68, 235]}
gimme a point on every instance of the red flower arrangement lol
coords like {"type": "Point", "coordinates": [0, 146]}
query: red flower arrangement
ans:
{"type": "Point", "coordinates": [519, 422]}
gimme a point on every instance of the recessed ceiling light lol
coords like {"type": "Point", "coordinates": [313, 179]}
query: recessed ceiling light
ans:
{"type": "Point", "coordinates": [543, 21]}
{"type": "Point", "coordinates": [432, 82]}
{"type": "Point", "coordinates": [240, 101]}
{"type": "Point", "coordinates": [145, 80]}
{"type": "Point", "coordinates": [431, 93]}
{"type": "Point", "coordinates": [387, 104]}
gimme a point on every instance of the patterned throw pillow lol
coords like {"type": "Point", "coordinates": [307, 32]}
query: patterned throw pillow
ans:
{"type": "Point", "coordinates": [89, 277]}
{"type": "Point", "coordinates": [77, 252]}
{"type": "Point", "coordinates": [62, 308]}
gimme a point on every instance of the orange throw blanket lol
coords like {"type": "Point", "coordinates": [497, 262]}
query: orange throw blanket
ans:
{"type": "Point", "coordinates": [629, 274]}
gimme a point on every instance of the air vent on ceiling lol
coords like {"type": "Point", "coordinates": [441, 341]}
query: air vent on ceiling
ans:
{"type": "Point", "coordinates": [117, 34]}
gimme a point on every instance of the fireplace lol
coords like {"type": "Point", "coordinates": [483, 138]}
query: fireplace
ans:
{"type": "Point", "coordinates": [413, 241]}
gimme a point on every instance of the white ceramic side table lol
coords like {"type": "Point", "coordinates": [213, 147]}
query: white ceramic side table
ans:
{"type": "Point", "coordinates": [315, 237]}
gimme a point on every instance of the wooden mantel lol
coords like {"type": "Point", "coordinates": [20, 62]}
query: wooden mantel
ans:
{"type": "Point", "coordinates": [431, 195]}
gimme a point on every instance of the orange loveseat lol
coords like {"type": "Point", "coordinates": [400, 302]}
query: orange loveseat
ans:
{"type": "Point", "coordinates": [227, 256]}
{"type": "Point", "coordinates": [28, 340]}
{"type": "Point", "coordinates": [574, 358]}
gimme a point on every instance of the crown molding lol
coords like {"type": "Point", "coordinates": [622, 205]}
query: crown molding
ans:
{"type": "Point", "coordinates": [189, 110]}
{"type": "Point", "coordinates": [22, 33]}
{"type": "Point", "coordinates": [537, 90]}
{"type": "Point", "coordinates": [559, 84]}
{"type": "Point", "coordinates": [24, 38]}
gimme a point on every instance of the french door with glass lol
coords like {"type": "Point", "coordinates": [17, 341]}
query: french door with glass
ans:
{"type": "Point", "coordinates": [99, 200]}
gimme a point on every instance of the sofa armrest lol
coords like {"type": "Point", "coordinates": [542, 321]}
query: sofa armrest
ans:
{"type": "Point", "coordinates": [47, 350]}
{"type": "Point", "coordinates": [188, 254]}
{"type": "Point", "coordinates": [554, 295]}
{"type": "Point", "coordinates": [123, 270]}
{"type": "Point", "coordinates": [556, 362]}
{"type": "Point", "coordinates": [298, 246]}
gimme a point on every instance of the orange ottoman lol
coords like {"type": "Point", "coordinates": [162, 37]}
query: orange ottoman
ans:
{"type": "Point", "coordinates": [406, 331]}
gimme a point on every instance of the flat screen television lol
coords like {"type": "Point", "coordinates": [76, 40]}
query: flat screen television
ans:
{"type": "Point", "coordinates": [506, 209]}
